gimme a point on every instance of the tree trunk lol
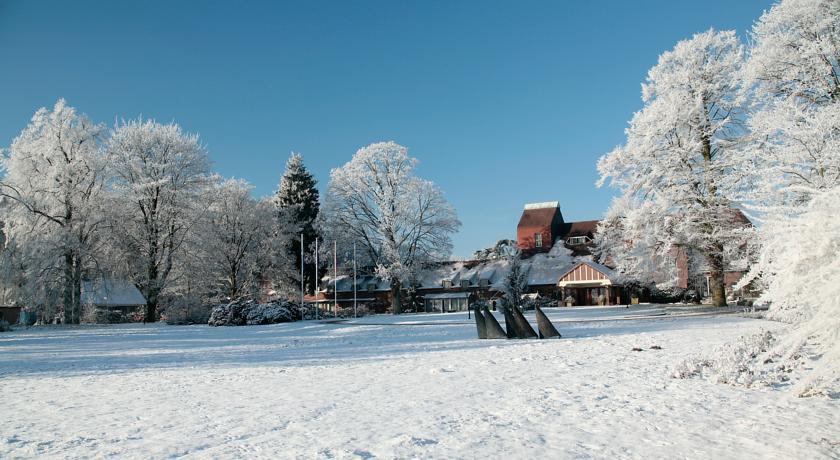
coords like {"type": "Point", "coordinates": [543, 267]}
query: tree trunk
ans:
{"type": "Point", "coordinates": [152, 292]}
{"type": "Point", "coordinates": [716, 282]}
{"type": "Point", "coordinates": [68, 287]}
{"type": "Point", "coordinates": [151, 307]}
{"type": "Point", "coordinates": [77, 290]}
{"type": "Point", "coordinates": [396, 294]}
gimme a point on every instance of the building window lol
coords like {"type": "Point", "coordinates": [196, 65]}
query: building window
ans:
{"type": "Point", "coordinates": [538, 240]}
{"type": "Point", "coordinates": [447, 284]}
{"type": "Point", "coordinates": [575, 240]}
{"type": "Point", "coordinates": [465, 284]}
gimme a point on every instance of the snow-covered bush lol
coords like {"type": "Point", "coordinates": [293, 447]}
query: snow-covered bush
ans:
{"type": "Point", "coordinates": [4, 326]}
{"type": "Point", "coordinates": [248, 312]}
{"type": "Point", "coordinates": [731, 363]}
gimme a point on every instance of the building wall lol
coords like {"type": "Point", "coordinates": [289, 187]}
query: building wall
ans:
{"type": "Point", "coordinates": [525, 237]}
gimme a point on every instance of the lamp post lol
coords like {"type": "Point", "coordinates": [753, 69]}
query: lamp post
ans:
{"type": "Point", "coordinates": [302, 291]}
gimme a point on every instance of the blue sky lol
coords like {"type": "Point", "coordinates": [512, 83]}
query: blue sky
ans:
{"type": "Point", "coordinates": [503, 103]}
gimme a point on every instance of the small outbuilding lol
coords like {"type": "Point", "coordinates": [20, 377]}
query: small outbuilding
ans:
{"type": "Point", "coordinates": [118, 297]}
{"type": "Point", "coordinates": [10, 314]}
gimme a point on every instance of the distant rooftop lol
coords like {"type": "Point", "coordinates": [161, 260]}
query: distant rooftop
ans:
{"type": "Point", "coordinates": [543, 205]}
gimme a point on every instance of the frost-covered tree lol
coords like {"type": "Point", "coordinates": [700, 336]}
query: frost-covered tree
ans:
{"type": "Point", "coordinates": [398, 220]}
{"type": "Point", "coordinates": [802, 285]}
{"type": "Point", "coordinates": [241, 238]}
{"type": "Point", "coordinates": [679, 148]}
{"type": "Point", "coordinates": [52, 190]}
{"type": "Point", "coordinates": [159, 174]}
{"type": "Point", "coordinates": [793, 75]}
{"type": "Point", "coordinates": [297, 201]}
{"type": "Point", "coordinates": [793, 168]}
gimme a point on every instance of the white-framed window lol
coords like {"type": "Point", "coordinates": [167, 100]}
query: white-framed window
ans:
{"type": "Point", "coordinates": [465, 284]}
{"type": "Point", "coordinates": [538, 240]}
{"type": "Point", "coordinates": [574, 240]}
{"type": "Point", "coordinates": [447, 284]}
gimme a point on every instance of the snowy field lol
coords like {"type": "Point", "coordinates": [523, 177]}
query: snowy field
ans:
{"type": "Point", "coordinates": [395, 387]}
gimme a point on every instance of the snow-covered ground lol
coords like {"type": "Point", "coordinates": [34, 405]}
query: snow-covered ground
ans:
{"type": "Point", "coordinates": [395, 387]}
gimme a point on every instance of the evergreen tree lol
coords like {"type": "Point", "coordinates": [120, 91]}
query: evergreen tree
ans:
{"type": "Point", "coordinates": [297, 199]}
{"type": "Point", "coordinates": [516, 281]}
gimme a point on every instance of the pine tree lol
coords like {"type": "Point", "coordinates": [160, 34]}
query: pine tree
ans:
{"type": "Point", "coordinates": [297, 199]}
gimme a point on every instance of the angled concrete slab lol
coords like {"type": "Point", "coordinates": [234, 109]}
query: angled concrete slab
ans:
{"type": "Point", "coordinates": [494, 329]}
{"type": "Point", "coordinates": [481, 328]}
{"type": "Point", "coordinates": [544, 326]}
{"type": "Point", "coordinates": [522, 324]}
{"type": "Point", "coordinates": [510, 325]}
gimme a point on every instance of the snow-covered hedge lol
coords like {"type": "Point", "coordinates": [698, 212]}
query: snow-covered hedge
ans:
{"type": "Point", "coordinates": [248, 312]}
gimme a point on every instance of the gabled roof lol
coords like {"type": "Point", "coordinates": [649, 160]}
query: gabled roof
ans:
{"type": "Point", "coordinates": [608, 272]}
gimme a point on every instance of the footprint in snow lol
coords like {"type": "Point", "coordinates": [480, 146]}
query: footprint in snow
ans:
{"type": "Point", "coordinates": [441, 370]}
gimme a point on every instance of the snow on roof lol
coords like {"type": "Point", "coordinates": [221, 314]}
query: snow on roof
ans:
{"type": "Point", "coordinates": [434, 277]}
{"type": "Point", "coordinates": [544, 204]}
{"type": "Point", "coordinates": [345, 283]}
{"type": "Point", "coordinates": [111, 293]}
{"type": "Point", "coordinates": [447, 295]}
{"type": "Point", "coordinates": [547, 269]}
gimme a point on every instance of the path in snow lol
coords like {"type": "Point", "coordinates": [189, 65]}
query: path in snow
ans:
{"type": "Point", "coordinates": [314, 389]}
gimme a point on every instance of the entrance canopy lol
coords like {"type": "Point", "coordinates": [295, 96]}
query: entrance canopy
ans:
{"type": "Point", "coordinates": [588, 274]}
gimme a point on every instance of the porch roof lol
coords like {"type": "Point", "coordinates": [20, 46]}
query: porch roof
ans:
{"type": "Point", "coordinates": [588, 274]}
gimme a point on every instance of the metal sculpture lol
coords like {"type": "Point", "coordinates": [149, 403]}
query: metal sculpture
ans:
{"type": "Point", "coordinates": [510, 325]}
{"type": "Point", "coordinates": [492, 327]}
{"type": "Point", "coordinates": [523, 326]}
{"type": "Point", "coordinates": [544, 326]}
{"type": "Point", "coordinates": [479, 323]}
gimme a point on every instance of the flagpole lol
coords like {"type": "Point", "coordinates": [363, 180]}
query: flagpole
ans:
{"type": "Point", "coordinates": [335, 279]}
{"type": "Point", "coordinates": [317, 280]}
{"type": "Point", "coordinates": [355, 314]}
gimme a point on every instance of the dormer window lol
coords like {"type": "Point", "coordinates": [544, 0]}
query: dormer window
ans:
{"type": "Point", "coordinates": [371, 287]}
{"type": "Point", "coordinates": [575, 240]}
{"type": "Point", "coordinates": [483, 282]}
{"type": "Point", "coordinates": [465, 284]}
{"type": "Point", "coordinates": [538, 240]}
{"type": "Point", "coordinates": [447, 284]}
